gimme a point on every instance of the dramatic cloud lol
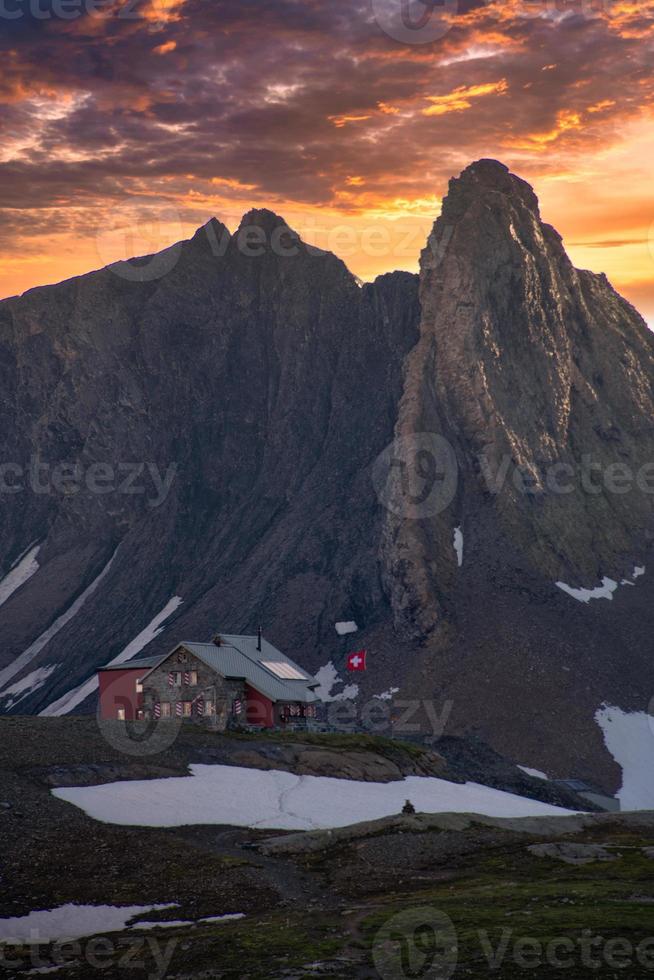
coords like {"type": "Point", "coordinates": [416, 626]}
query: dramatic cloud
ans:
{"type": "Point", "coordinates": [347, 117]}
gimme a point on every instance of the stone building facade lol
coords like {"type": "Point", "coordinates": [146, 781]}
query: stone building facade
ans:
{"type": "Point", "coordinates": [196, 692]}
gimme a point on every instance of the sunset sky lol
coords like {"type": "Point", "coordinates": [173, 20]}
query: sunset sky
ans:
{"type": "Point", "coordinates": [126, 125]}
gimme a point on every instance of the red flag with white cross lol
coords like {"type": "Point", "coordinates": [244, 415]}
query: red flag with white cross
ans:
{"type": "Point", "coordinates": [356, 660]}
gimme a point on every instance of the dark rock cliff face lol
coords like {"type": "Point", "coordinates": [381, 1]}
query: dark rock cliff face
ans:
{"type": "Point", "coordinates": [268, 379]}
{"type": "Point", "coordinates": [539, 377]}
{"type": "Point", "coordinates": [528, 368]}
{"type": "Point", "coordinates": [514, 394]}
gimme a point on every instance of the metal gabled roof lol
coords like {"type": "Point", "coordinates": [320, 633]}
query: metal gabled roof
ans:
{"type": "Point", "coordinates": [148, 662]}
{"type": "Point", "coordinates": [238, 657]}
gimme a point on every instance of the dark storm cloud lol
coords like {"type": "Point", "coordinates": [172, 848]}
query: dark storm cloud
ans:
{"type": "Point", "coordinates": [294, 98]}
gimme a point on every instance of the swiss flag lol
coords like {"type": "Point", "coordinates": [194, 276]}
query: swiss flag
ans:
{"type": "Point", "coordinates": [356, 660]}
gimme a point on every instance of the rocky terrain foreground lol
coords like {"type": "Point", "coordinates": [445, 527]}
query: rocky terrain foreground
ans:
{"type": "Point", "coordinates": [455, 894]}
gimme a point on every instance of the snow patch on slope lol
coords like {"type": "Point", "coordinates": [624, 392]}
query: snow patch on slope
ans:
{"type": "Point", "coordinates": [387, 695]}
{"type": "Point", "coordinates": [42, 641]}
{"type": "Point", "coordinates": [328, 679]}
{"type": "Point", "coordinates": [28, 684]}
{"type": "Point", "coordinates": [66, 703]}
{"type": "Point", "coordinates": [24, 568]}
{"type": "Point", "coordinates": [152, 630]}
{"type": "Point", "coordinates": [536, 773]}
{"type": "Point", "coordinates": [72, 922]}
{"type": "Point", "coordinates": [458, 545]}
{"type": "Point", "coordinates": [603, 591]}
{"type": "Point", "coordinates": [176, 923]}
{"type": "Point", "coordinates": [344, 628]}
{"type": "Point", "coordinates": [283, 801]}
{"type": "Point", "coordinates": [629, 737]}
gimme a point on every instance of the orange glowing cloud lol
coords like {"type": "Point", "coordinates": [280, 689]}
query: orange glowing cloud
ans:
{"type": "Point", "coordinates": [461, 98]}
{"type": "Point", "coordinates": [227, 182]}
{"type": "Point", "coordinates": [340, 121]}
{"type": "Point", "coordinates": [566, 120]}
{"type": "Point", "coordinates": [165, 48]}
{"type": "Point", "coordinates": [601, 106]}
{"type": "Point", "coordinates": [162, 12]}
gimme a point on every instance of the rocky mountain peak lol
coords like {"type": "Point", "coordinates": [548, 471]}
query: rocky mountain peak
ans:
{"type": "Point", "coordinates": [488, 182]}
{"type": "Point", "coordinates": [212, 226]}
{"type": "Point", "coordinates": [525, 367]}
{"type": "Point", "coordinates": [262, 231]}
{"type": "Point", "coordinates": [211, 240]}
{"type": "Point", "coordinates": [262, 218]}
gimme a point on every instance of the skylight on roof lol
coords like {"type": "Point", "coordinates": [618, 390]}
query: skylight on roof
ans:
{"type": "Point", "coordinates": [281, 669]}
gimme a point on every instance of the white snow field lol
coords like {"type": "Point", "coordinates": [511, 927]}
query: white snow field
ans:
{"type": "Point", "coordinates": [536, 773]}
{"type": "Point", "coordinates": [458, 545]}
{"type": "Point", "coordinates": [70, 700]}
{"type": "Point", "coordinates": [344, 628]}
{"type": "Point", "coordinates": [283, 801]}
{"type": "Point", "coordinates": [176, 923]}
{"type": "Point", "coordinates": [42, 641]}
{"type": "Point", "coordinates": [629, 737]}
{"type": "Point", "coordinates": [328, 679]}
{"type": "Point", "coordinates": [27, 685]}
{"type": "Point", "coordinates": [387, 695]}
{"type": "Point", "coordinates": [603, 591]}
{"type": "Point", "coordinates": [72, 922]}
{"type": "Point", "coordinates": [25, 567]}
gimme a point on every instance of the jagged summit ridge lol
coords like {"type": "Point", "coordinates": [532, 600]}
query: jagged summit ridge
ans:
{"type": "Point", "coordinates": [256, 225]}
{"type": "Point", "coordinates": [259, 232]}
{"type": "Point", "coordinates": [262, 218]}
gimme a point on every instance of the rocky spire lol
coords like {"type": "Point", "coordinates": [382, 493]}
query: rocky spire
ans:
{"type": "Point", "coordinates": [523, 364]}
